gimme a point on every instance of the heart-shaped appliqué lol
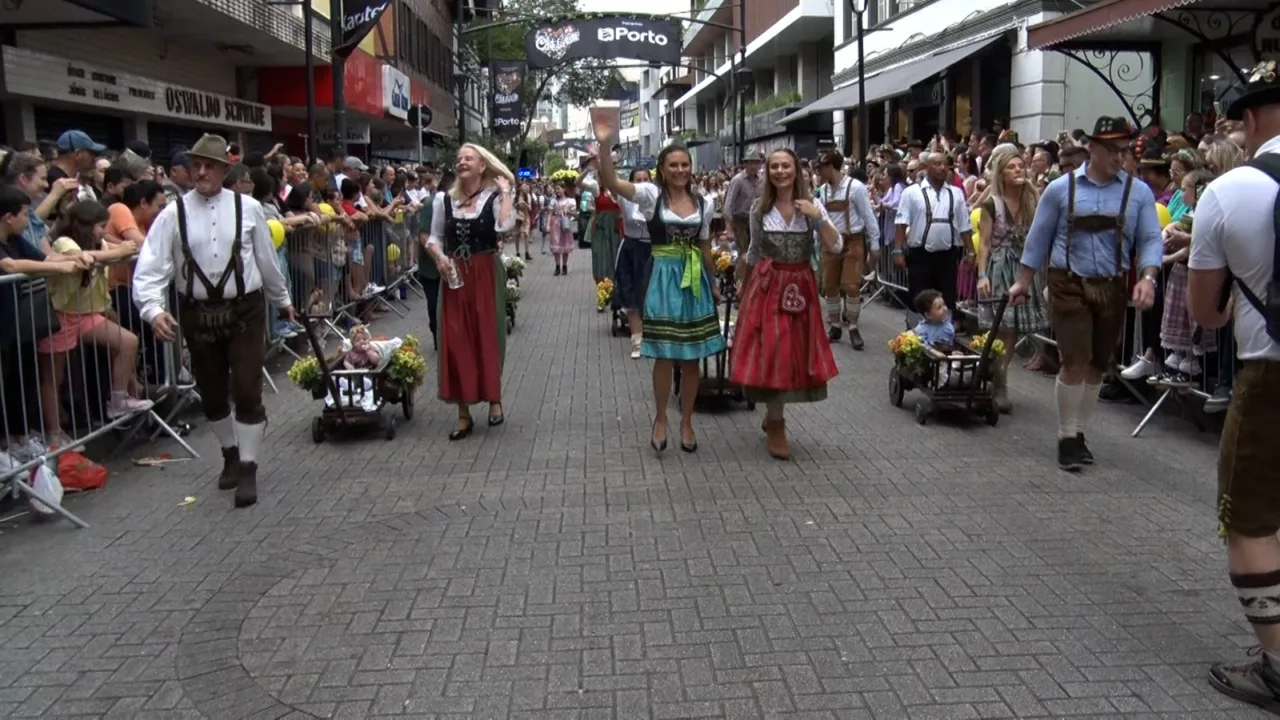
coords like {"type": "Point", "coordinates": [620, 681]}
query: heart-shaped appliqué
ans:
{"type": "Point", "coordinates": [792, 301]}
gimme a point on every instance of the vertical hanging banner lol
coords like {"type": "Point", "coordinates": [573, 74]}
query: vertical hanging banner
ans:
{"type": "Point", "coordinates": [359, 18]}
{"type": "Point", "coordinates": [507, 102]}
{"type": "Point", "coordinates": [651, 39]}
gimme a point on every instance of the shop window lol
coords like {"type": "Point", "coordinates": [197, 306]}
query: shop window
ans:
{"type": "Point", "coordinates": [1215, 80]}
{"type": "Point", "coordinates": [105, 129]}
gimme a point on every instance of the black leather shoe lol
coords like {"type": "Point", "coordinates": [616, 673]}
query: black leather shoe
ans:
{"type": "Point", "coordinates": [246, 485]}
{"type": "Point", "coordinates": [230, 468]}
{"type": "Point", "coordinates": [462, 432]}
{"type": "Point", "coordinates": [1082, 450]}
{"type": "Point", "coordinates": [657, 446]}
{"type": "Point", "coordinates": [496, 420]}
{"type": "Point", "coordinates": [855, 338]}
{"type": "Point", "coordinates": [833, 334]}
{"type": "Point", "coordinates": [1069, 454]}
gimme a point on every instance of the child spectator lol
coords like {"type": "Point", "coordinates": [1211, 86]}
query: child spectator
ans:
{"type": "Point", "coordinates": [935, 328]}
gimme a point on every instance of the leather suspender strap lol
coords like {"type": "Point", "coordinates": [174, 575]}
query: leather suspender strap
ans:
{"type": "Point", "coordinates": [1071, 215]}
{"type": "Point", "coordinates": [1120, 222]}
{"type": "Point", "coordinates": [193, 270]}
{"type": "Point", "coordinates": [928, 215]}
{"type": "Point", "coordinates": [848, 222]}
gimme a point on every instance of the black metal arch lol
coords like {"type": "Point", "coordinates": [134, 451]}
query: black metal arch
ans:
{"type": "Point", "coordinates": [1105, 61]}
{"type": "Point", "coordinates": [1222, 23]}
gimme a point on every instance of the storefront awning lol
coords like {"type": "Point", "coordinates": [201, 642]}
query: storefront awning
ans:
{"type": "Point", "coordinates": [892, 82]}
{"type": "Point", "coordinates": [1101, 16]}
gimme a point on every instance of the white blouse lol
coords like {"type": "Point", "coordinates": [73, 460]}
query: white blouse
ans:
{"type": "Point", "coordinates": [438, 220]}
{"type": "Point", "coordinates": [647, 199]}
{"type": "Point", "coordinates": [774, 222]}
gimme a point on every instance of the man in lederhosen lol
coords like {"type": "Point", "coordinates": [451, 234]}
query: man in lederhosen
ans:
{"type": "Point", "coordinates": [933, 230]}
{"type": "Point", "coordinates": [215, 245]}
{"type": "Point", "coordinates": [849, 207]}
{"type": "Point", "coordinates": [1088, 225]}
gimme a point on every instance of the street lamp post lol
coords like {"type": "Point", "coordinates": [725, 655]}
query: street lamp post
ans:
{"type": "Point", "coordinates": [859, 8]}
{"type": "Point", "coordinates": [460, 80]}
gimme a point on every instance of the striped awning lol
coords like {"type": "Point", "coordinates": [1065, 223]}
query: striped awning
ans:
{"type": "Point", "coordinates": [1100, 16]}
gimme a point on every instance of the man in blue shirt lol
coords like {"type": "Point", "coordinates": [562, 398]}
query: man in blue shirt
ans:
{"type": "Point", "coordinates": [1088, 225]}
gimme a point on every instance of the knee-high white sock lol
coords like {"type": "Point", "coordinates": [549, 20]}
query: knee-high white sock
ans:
{"type": "Point", "coordinates": [224, 430]}
{"type": "Point", "coordinates": [1068, 399]}
{"type": "Point", "coordinates": [1088, 403]}
{"type": "Point", "coordinates": [250, 439]}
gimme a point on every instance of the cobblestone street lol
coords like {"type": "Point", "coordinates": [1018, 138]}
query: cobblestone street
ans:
{"type": "Point", "coordinates": [556, 567]}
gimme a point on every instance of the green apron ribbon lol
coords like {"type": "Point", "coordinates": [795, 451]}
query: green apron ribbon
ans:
{"type": "Point", "coordinates": [692, 256]}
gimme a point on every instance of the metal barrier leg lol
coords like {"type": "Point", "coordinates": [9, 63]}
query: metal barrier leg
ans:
{"type": "Point", "coordinates": [272, 383]}
{"type": "Point", "coordinates": [1152, 412]}
{"type": "Point", "coordinates": [30, 492]}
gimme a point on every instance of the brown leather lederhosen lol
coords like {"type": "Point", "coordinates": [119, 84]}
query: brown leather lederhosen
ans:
{"type": "Point", "coordinates": [226, 336]}
{"type": "Point", "coordinates": [1088, 312]}
{"type": "Point", "coordinates": [843, 271]}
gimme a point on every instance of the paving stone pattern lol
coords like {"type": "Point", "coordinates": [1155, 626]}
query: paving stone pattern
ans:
{"type": "Point", "coordinates": [556, 567]}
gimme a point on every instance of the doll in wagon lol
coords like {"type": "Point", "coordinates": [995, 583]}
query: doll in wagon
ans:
{"type": "Point", "coordinates": [363, 353]}
{"type": "Point", "coordinates": [937, 332]}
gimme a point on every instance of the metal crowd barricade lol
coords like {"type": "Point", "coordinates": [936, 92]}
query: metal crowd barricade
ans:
{"type": "Point", "coordinates": [62, 387]}
{"type": "Point", "coordinates": [1211, 365]}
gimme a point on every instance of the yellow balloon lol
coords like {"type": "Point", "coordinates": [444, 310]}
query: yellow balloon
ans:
{"type": "Point", "coordinates": [1163, 215]}
{"type": "Point", "coordinates": [393, 252]}
{"type": "Point", "coordinates": [277, 232]}
{"type": "Point", "coordinates": [327, 209]}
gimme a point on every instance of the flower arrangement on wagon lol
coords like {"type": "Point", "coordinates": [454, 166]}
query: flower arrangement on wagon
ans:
{"type": "Point", "coordinates": [565, 177]}
{"type": "Point", "coordinates": [604, 293]}
{"type": "Point", "coordinates": [724, 263]}
{"type": "Point", "coordinates": [515, 266]}
{"type": "Point", "coordinates": [513, 292]}
{"type": "Point", "coordinates": [907, 349]}
{"type": "Point", "coordinates": [407, 367]}
{"type": "Point", "coordinates": [306, 374]}
{"type": "Point", "coordinates": [977, 342]}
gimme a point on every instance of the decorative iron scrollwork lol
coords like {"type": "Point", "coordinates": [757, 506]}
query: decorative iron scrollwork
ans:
{"type": "Point", "coordinates": [1121, 70]}
{"type": "Point", "coordinates": [1211, 26]}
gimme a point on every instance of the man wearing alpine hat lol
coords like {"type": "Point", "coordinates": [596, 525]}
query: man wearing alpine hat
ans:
{"type": "Point", "coordinates": [213, 244]}
{"type": "Point", "coordinates": [1088, 226]}
{"type": "Point", "coordinates": [1233, 279]}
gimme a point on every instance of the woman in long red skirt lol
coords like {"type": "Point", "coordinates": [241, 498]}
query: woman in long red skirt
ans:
{"type": "Point", "coordinates": [466, 223]}
{"type": "Point", "coordinates": [780, 348]}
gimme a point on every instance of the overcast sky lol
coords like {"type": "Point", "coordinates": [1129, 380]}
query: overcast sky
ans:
{"type": "Point", "coordinates": [651, 7]}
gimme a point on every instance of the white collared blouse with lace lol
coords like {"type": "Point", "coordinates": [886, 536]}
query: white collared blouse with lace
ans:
{"type": "Point", "coordinates": [772, 223]}
{"type": "Point", "coordinates": [438, 219]}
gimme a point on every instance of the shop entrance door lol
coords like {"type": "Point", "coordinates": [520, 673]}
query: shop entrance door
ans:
{"type": "Point", "coordinates": [925, 122]}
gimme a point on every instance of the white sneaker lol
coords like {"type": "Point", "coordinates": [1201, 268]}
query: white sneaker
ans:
{"type": "Point", "coordinates": [119, 407]}
{"type": "Point", "coordinates": [1190, 366]}
{"type": "Point", "coordinates": [635, 351]}
{"type": "Point", "coordinates": [1140, 368]}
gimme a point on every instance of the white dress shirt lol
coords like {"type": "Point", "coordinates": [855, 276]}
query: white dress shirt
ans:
{"type": "Point", "coordinates": [1231, 232]}
{"type": "Point", "coordinates": [211, 226]}
{"type": "Point", "coordinates": [859, 218]}
{"type": "Point", "coordinates": [942, 235]}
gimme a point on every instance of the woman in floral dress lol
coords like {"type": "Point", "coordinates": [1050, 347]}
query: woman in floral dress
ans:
{"type": "Point", "coordinates": [781, 353]}
{"type": "Point", "coordinates": [563, 210]}
{"type": "Point", "coordinates": [1006, 216]}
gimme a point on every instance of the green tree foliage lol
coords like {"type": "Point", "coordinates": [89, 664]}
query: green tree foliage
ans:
{"type": "Point", "coordinates": [553, 163]}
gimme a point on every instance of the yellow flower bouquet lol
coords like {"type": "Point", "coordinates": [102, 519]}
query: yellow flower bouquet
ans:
{"type": "Point", "coordinates": [907, 349]}
{"type": "Point", "coordinates": [306, 374]}
{"type": "Point", "coordinates": [604, 293]}
{"type": "Point", "coordinates": [724, 263]}
{"type": "Point", "coordinates": [977, 342]}
{"type": "Point", "coordinates": [407, 367]}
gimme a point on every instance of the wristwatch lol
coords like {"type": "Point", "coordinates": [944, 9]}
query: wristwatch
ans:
{"type": "Point", "coordinates": [1149, 278]}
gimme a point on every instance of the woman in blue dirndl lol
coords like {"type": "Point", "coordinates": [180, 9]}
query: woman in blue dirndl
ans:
{"type": "Point", "coordinates": [680, 301]}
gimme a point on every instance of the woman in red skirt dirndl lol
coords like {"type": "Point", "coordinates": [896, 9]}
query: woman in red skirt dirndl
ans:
{"type": "Point", "coordinates": [465, 226]}
{"type": "Point", "coordinates": [780, 349]}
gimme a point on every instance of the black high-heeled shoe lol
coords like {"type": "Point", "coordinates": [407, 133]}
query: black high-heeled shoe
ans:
{"type": "Point", "coordinates": [462, 432]}
{"type": "Point", "coordinates": [657, 447]}
{"type": "Point", "coordinates": [690, 447]}
{"type": "Point", "coordinates": [496, 420]}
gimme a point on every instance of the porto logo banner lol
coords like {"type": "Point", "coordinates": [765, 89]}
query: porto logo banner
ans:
{"type": "Point", "coordinates": [508, 105]}
{"type": "Point", "coordinates": [651, 39]}
{"type": "Point", "coordinates": [359, 18]}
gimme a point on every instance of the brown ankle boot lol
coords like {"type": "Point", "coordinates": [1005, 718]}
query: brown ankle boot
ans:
{"type": "Point", "coordinates": [776, 433]}
{"type": "Point", "coordinates": [230, 468]}
{"type": "Point", "coordinates": [246, 485]}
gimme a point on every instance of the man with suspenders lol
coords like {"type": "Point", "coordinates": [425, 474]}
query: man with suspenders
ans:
{"type": "Point", "coordinates": [1088, 225]}
{"type": "Point", "coordinates": [216, 245]}
{"type": "Point", "coordinates": [849, 207]}
{"type": "Point", "coordinates": [933, 228]}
